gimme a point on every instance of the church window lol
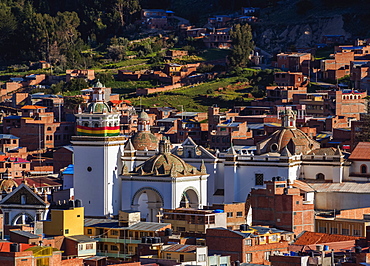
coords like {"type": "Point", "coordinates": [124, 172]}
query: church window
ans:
{"type": "Point", "coordinates": [49, 129]}
{"type": "Point", "coordinates": [363, 169]}
{"type": "Point", "coordinates": [96, 125]}
{"type": "Point", "coordinates": [274, 147]}
{"type": "Point", "coordinates": [86, 124]}
{"type": "Point", "coordinates": [259, 179]}
{"type": "Point", "coordinates": [320, 176]}
{"type": "Point", "coordinates": [23, 199]}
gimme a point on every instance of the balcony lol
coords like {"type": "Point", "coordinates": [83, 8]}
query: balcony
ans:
{"type": "Point", "coordinates": [118, 240]}
{"type": "Point", "coordinates": [113, 255]}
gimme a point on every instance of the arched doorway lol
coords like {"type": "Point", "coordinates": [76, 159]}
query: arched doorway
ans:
{"type": "Point", "coordinates": [190, 199]}
{"type": "Point", "coordinates": [148, 201]}
{"type": "Point", "coordinates": [22, 218]}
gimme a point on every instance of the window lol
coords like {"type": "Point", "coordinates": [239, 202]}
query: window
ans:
{"type": "Point", "coordinates": [259, 179]}
{"type": "Point", "coordinates": [333, 230]}
{"type": "Point", "coordinates": [201, 257]}
{"type": "Point", "coordinates": [356, 232]}
{"type": "Point", "coordinates": [239, 214]}
{"type": "Point", "coordinates": [8, 165]}
{"type": "Point", "coordinates": [363, 169]}
{"type": "Point", "coordinates": [49, 129]}
{"type": "Point", "coordinates": [66, 231]}
{"type": "Point", "coordinates": [23, 199]}
{"type": "Point", "coordinates": [114, 232]}
{"type": "Point", "coordinates": [248, 242]}
{"type": "Point", "coordinates": [273, 238]}
{"type": "Point", "coordinates": [229, 214]}
{"type": "Point", "coordinates": [89, 231]}
{"type": "Point", "coordinates": [24, 166]}
{"type": "Point", "coordinates": [89, 246]}
{"type": "Point", "coordinates": [130, 248]}
{"type": "Point", "coordinates": [267, 255]}
{"type": "Point", "coordinates": [80, 247]}
{"type": "Point", "coordinates": [168, 256]}
{"type": "Point", "coordinates": [113, 247]}
{"type": "Point", "coordinates": [320, 176]}
{"type": "Point", "coordinates": [345, 232]}
{"type": "Point", "coordinates": [322, 229]}
{"type": "Point", "coordinates": [248, 257]}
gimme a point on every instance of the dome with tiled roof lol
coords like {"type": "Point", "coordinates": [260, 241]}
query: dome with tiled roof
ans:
{"type": "Point", "coordinates": [7, 185]}
{"type": "Point", "coordinates": [166, 164]}
{"type": "Point", "coordinates": [143, 116]}
{"type": "Point", "coordinates": [288, 137]}
{"type": "Point", "coordinates": [98, 108]}
{"type": "Point", "coordinates": [143, 140]}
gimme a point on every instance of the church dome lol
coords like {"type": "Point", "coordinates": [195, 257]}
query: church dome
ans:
{"type": "Point", "coordinates": [167, 164]}
{"type": "Point", "coordinates": [98, 108]}
{"type": "Point", "coordinates": [143, 116]}
{"type": "Point", "coordinates": [292, 138]}
{"type": "Point", "coordinates": [144, 140]}
{"type": "Point", "coordinates": [7, 185]}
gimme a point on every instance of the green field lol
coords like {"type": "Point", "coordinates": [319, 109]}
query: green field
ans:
{"type": "Point", "coordinates": [222, 92]}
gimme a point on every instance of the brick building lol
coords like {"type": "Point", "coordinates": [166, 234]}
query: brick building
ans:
{"type": "Point", "coordinates": [284, 206]}
{"type": "Point", "coordinates": [36, 128]}
{"type": "Point", "coordinates": [235, 213]}
{"type": "Point", "coordinates": [254, 245]}
{"type": "Point", "coordinates": [88, 74]}
{"type": "Point", "coordinates": [297, 62]}
{"type": "Point", "coordinates": [193, 220]}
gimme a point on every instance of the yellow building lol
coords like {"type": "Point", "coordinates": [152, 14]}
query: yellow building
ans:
{"type": "Point", "coordinates": [342, 226]}
{"type": "Point", "coordinates": [185, 253]}
{"type": "Point", "coordinates": [118, 240]}
{"type": "Point", "coordinates": [65, 222]}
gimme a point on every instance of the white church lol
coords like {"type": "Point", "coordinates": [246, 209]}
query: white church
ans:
{"type": "Point", "coordinates": [146, 173]}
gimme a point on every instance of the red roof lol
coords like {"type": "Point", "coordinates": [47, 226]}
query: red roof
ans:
{"type": "Point", "coordinates": [361, 152]}
{"type": "Point", "coordinates": [309, 238]}
{"type": "Point", "coordinates": [4, 158]}
{"type": "Point", "coordinates": [41, 181]}
{"type": "Point", "coordinates": [181, 248]}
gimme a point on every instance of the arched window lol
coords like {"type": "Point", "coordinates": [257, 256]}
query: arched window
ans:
{"type": "Point", "coordinates": [96, 125]}
{"type": "Point", "coordinates": [49, 129]}
{"type": "Point", "coordinates": [320, 176]}
{"type": "Point", "coordinates": [23, 199]}
{"type": "Point", "coordinates": [363, 169]}
{"type": "Point", "coordinates": [86, 124]}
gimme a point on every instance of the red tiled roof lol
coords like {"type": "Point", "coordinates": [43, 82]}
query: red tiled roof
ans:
{"type": "Point", "coordinates": [337, 246]}
{"type": "Point", "coordinates": [309, 238]}
{"type": "Point", "coordinates": [361, 152]}
{"type": "Point", "coordinates": [42, 181]}
{"type": "Point", "coordinates": [181, 248]}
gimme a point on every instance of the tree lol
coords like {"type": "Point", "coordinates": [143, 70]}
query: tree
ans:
{"type": "Point", "coordinates": [124, 9]}
{"type": "Point", "coordinates": [241, 36]}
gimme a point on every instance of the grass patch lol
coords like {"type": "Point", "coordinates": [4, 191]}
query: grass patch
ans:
{"type": "Point", "coordinates": [126, 87]}
{"type": "Point", "coordinates": [223, 92]}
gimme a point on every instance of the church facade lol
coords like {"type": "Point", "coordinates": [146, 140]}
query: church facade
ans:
{"type": "Point", "coordinates": [147, 174]}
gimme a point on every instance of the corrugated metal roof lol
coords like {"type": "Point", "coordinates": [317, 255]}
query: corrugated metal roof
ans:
{"type": "Point", "coordinates": [345, 187]}
{"type": "Point", "coordinates": [148, 226]}
{"type": "Point", "coordinates": [25, 234]}
{"type": "Point", "coordinates": [81, 239]}
{"type": "Point", "coordinates": [181, 248]}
